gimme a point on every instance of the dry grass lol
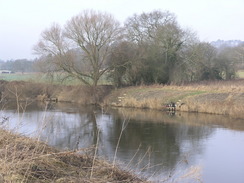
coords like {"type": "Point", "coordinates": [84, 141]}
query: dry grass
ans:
{"type": "Point", "coordinates": [26, 160]}
{"type": "Point", "coordinates": [214, 86]}
{"type": "Point", "coordinates": [28, 91]}
{"type": "Point", "coordinates": [220, 97]}
{"type": "Point", "coordinates": [216, 103]}
{"type": "Point", "coordinates": [192, 174]}
{"type": "Point", "coordinates": [145, 103]}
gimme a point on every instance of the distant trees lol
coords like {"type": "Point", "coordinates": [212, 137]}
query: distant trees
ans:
{"type": "Point", "coordinates": [150, 48]}
{"type": "Point", "coordinates": [19, 65]}
{"type": "Point", "coordinates": [81, 48]}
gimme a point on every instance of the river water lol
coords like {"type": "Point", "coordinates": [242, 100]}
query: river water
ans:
{"type": "Point", "coordinates": [181, 147]}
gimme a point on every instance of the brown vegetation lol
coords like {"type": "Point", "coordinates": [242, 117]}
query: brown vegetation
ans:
{"type": "Point", "coordinates": [222, 97]}
{"type": "Point", "coordinates": [218, 97]}
{"type": "Point", "coordinates": [27, 160]}
{"type": "Point", "coordinates": [28, 91]}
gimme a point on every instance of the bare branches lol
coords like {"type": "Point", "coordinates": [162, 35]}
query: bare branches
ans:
{"type": "Point", "coordinates": [52, 42]}
{"type": "Point", "coordinates": [81, 49]}
{"type": "Point", "coordinates": [144, 27]}
{"type": "Point", "coordinates": [158, 50]}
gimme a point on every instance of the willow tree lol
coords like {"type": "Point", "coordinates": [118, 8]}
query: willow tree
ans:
{"type": "Point", "coordinates": [81, 48]}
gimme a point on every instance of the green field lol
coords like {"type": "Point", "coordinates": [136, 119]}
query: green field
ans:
{"type": "Point", "coordinates": [43, 78]}
{"type": "Point", "coordinates": [36, 77]}
{"type": "Point", "coordinates": [240, 73]}
{"type": "Point", "coordinates": [18, 77]}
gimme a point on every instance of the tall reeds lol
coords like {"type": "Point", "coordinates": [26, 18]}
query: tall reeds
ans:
{"type": "Point", "coordinates": [27, 160]}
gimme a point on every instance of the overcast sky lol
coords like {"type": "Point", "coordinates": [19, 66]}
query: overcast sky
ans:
{"type": "Point", "coordinates": [22, 21]}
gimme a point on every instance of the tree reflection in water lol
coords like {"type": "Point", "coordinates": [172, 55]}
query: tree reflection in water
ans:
{"type": "Point", "coordinates": [162, 143]}
{"type": "Point", "coordinates": [152, 142]}
{"type": "Point", "coordinates": [156, 142]}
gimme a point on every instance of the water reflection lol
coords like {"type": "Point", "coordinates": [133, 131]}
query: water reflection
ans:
{"type": "Point", "coordinates": [150, 142]}
{"type": "Point", "coordinates": [162, 143]}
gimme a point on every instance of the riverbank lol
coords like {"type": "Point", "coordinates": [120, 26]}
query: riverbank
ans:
{"type": "Point", "coordinates": [31, 91]}
{"type": "Point", "coordinates": [28, 160]}
{"type": "Point", "coordinates": [220, 97]}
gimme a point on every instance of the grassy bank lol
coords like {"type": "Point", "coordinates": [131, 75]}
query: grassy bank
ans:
{"type": "Point", "coordinates": [29, 91]}
{"type": "Point", "coordinates": [222, 97]}
{"type": "Point", "coordinates": [27, 160]}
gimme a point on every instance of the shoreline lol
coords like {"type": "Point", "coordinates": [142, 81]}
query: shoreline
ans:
{"type": "Point", "coordinates": [215, 97]}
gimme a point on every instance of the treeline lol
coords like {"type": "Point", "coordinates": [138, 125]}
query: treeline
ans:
{"type": "Point", "coordinates": [19, 65]}
{"type": "Point", "coordinates": [149, 48]}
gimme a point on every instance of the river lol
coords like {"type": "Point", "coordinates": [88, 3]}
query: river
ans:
{"type": "Point", "coordinates": [181, 147]}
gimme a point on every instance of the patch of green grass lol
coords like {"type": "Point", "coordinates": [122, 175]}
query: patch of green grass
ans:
{"type": "Point", "coordinates": [32, 77]}
{"type": "Point", "coordinates": [184, 95]}
{"type": "Point", "coordinates": [17, 77]}
{"type": "Point", "coordinates": [240, 73]}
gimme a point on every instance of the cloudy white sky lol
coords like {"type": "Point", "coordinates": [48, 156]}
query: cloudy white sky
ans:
{"type": "Point", "coordinates": [22, 21]}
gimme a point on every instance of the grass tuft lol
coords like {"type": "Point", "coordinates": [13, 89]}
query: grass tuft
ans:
{"type": "Point", "coordinates": [27, 160]}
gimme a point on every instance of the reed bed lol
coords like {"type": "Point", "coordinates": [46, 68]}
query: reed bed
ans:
{"type": "Point", "coordinates": [27, 160]}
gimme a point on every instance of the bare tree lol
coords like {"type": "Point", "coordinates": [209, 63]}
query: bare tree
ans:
{"type": "Point", "coordinates": [143, 28]}
{"type": "Point", "coordinates": [81, 49]}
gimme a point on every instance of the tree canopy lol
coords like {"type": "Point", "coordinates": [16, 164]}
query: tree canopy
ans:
{"type": "Point", "coordinates": [149, 48]}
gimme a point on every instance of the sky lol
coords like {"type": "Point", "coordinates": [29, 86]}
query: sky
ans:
{"type": "Point", "coordinates": [22, 21]}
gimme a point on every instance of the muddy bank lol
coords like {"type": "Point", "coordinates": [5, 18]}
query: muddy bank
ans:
{"type": "Point", "coordinates": [28, 160]}
{"type": "Point", "coordinates": [28, 91]}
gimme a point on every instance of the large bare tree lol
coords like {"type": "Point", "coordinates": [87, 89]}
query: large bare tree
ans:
{"type": "Point", "coordinates": [82, 47]}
